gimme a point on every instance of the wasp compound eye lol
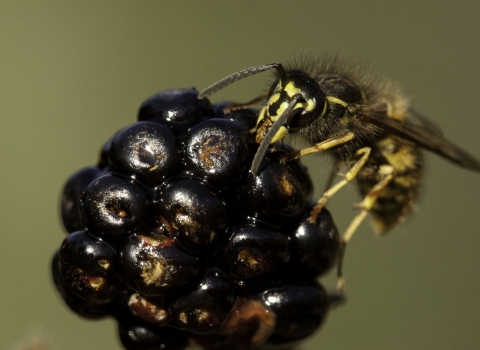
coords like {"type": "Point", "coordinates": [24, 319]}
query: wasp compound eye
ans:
{"type": "Point", "coordinates": [298, 118]}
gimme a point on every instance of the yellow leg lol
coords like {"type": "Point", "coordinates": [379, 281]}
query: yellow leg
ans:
{"type": "Point", "coordinates": [319, 147]}
{"type": "Point", "coordinates": [349, 176]}
{"type": "Point", "coordinates": [365, 206]}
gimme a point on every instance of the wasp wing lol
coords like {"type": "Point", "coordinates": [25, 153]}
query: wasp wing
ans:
{"type": "Point", "coordinates": [414, 117]}
{"type": "Point", "coordinates": [424, 133]}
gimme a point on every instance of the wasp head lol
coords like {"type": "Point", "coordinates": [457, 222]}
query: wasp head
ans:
{"type": "Point", "coordinates": [310, 104]}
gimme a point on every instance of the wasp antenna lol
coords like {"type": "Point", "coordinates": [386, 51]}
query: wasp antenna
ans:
{"type": "Point", "coordinates": [281, 73]}
{"type": "Point", "coordinates": [262, 149]}
{"type": "Point", "coordinates": [219, 85]}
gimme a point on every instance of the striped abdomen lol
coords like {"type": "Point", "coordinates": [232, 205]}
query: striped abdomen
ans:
{"type": "Point", "coordinates": [397, 200]}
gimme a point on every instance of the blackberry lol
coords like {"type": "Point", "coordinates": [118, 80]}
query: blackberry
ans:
{"type": "Point", "coordinates": [173, 237]}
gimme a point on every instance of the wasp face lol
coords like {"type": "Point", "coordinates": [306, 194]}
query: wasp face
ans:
{"type": "Point", "coordinates": [311, 104]}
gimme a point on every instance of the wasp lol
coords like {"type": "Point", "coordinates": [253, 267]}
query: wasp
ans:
{"type": "Point", "coordinates": [363, 122]}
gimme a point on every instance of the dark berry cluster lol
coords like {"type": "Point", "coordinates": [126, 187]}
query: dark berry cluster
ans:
{"type": "Point", "coordinates": [173, 237]}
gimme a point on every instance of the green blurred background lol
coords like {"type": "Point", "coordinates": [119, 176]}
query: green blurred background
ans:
{"type": "Point", "coordinates": [73, 73]}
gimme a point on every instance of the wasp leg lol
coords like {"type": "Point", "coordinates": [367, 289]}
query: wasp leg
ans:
{"type": "Point", "coordinates": [349, 176]}
{"type": "Point", "coordinates": [319, 147]}
{"type": "Point", "coordinates": [365, 205]}
{"type": "Point", "coordinates": [250, 104]}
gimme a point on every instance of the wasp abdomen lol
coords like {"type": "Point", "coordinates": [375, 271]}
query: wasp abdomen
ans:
{"type": "Point", "coordinates": [397, 200]}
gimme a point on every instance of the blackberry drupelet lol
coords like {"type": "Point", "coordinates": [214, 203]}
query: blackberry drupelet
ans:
{"type": "Point", "coordinates": [137, 334]}
{"type": "Point", "coordinates": [220, 152]}
{"type": "Point", "coordinates": [247, 117]}
{"type": "Point", "coordinates": [88, 268]}
{"type": "Point", "coordinates": [150, 309]}
{"type": "Point", "coordinates": [153, 264]}
{"type": "Point", "coordinates": [315, 247]}
{"type": "Point", "coordinates": [86, 309]}
{"type": "Point", "coordinates": [174, 238]}
{"type": "Point", "coordinates": [116, 206]}
{"type": "Point", "coordinates": [300, 307]}
{"type": "Point", "coordinates": [192, 211]}
{"type": "Point", "coordinates": [72, 192]}
{"type": "Point", "coordinates": [179, 109]}
{"type": "Point", "coordinates": [254, 251]}
{"type": "Point", "coordinates": [146, 150]}
{"type": "Point", "coordinates": [278, 193]}
{"type": "Point", "coordinates": [203, 310]}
